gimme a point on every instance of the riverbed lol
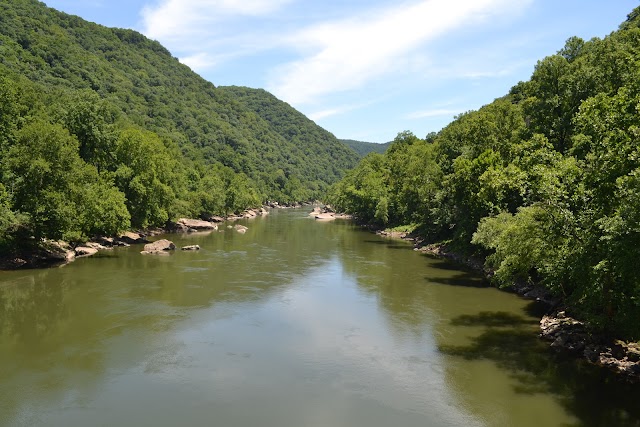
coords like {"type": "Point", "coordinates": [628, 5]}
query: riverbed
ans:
{"type": "Point", "coordinates": [293, 323]}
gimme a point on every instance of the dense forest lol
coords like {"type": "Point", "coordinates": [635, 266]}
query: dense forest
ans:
{"type": "Point", "coordinates": [101, 129]}
{"type": "Point", "coordinates": [543, 182]}
{"type": "Point", "coordinates": [363, 148]}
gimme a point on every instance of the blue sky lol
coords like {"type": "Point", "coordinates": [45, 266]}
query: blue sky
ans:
{"type": "Point", "coordinates": [364, 70]}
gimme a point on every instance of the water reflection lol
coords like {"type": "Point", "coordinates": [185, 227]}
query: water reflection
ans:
{"type": "Point", "coordinates": [594, 397]}
{"type": "Point", "coordinates": [294, 322]}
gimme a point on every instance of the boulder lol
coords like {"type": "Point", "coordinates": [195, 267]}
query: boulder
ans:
{"type": "Point", "coordinates": [325, 216]}
{"type": "Point", "coordinates": [96, 246]}
{"type": "Point", "coordinates": [249, 213]}
{"type": "Point", "coordinates": [241, 228]}
{"type": "Point", "coordinates": [132, 238]}
{"type": "Point", "coordinates": [109, 242]}
{"type": "Point", "coordinates": [83, 251]}
{"type": "Point", "coordinates": [158, 247]}
{"type": "Point", "coordinates": [178, 228]}
{"type": "Point", "coordinates": [191, 248]}
{"type": "Point", "coordinates": [54, 252]}
{"type": "Point", "coordinates": [197, 224]}
{"type": "Point", "coordinates": [213, 218]}
{"type": "Point", "coordinates": [316, 211]}
{"type": "Point", "coordinates": [106, 241]}
{"type": "Point", "coordinates": [633, 352]}
{"type": "Point", "coordinates": [343, 216]}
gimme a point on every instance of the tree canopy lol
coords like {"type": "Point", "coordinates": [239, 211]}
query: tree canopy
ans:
{"type": "Point", "coordinates": [543, 182]}
{"type": "Point", "coordinates": [101, 129]}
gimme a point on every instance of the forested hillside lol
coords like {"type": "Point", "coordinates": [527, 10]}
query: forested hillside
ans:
{"type": "Point", "coordinates": [363, 148]}
{"type": "Point", "coordinates": [544, 182]}
{"type": "Point", "coordinates": [102, 129]}
{"type": "Point", "coordinates": [318, 154]}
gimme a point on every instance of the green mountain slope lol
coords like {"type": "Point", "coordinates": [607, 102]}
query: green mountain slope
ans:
{"type": "Point", "coordinates": [363, 148]}
{"type": "Point", "coordinates": [320, 155]}
{"type": "Point", "coordinates": [102, 129]}
{"type": "Point", "coordinates": [155, 91]}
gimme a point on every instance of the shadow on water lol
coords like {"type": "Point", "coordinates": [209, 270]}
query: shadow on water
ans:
{"type": "Point", "coordinates": [455, 275]}
{"type": "Point", "coordinates": [594, 396]}
{"type": "Point", "coordinates": [492, 319]}
{"type": "Point", "coordinates": [466, 280]}
{"type": "Point", "coordinates": [391, 244]}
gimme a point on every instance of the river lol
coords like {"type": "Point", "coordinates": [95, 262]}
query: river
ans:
{"type": "Point", "coordinates": [294, 323]}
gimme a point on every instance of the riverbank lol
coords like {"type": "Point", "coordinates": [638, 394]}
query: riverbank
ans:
{"type": "Point", "coordinates": [54, 253]}
{"type": "Point", "coordinates": [564, 333]}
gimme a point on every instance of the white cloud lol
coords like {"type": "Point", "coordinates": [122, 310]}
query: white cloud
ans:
{"type": "Point", "coordinates": [181, 19]}
{"type": "Point", "coordinates": [348, 54]}
{"type": "Point", "coordinates": [199, 61]}
{"type": "Point", "coordinates": [319, 115]}
{"type": "Point", "coordinates": [322, 114]}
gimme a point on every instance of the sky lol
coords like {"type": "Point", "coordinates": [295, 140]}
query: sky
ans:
{"type": "Point", "coordinates": [364, 69]}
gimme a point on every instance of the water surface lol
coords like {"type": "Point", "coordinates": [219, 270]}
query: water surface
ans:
{"type": "Point", "coordinates": [295, 323]}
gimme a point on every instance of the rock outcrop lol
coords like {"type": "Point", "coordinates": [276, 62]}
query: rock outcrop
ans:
{"type": "Point", "coordinates": [109, 242]}
{"type": "Point", "coordinates": [53, 252]}
{"type": "Point", "coordinates": [327, 214]}
{"type": "Point", "coordinates": [570, 335]}
{"type": "Point", "coordinates": [132, 238]}
{"type": "Point", "coordinates": [188, 225]}
{"type": "Point", "coordinates": [159, 247]}
{"type": "Point", "coordinates": [213, 218]}
{"type": "Point", "coordinates": [84, 251]}
{"type": "Point", "coordinates": [197, 224]}
{"type": "Point", "coordinates": [98, 246]}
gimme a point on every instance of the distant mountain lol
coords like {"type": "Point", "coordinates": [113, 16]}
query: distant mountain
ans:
{"type": "Point", "coordinates": [363, 148]}
{"type": "Point", "coordinates": [322, 154]}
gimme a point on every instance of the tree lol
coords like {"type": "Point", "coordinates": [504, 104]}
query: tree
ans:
{"type": "Point", "coordinates": [91, 119]}
{"type": "Point", "coordinates": [62, 195]}
{"type": "Point", "coordinates": [144, 172]}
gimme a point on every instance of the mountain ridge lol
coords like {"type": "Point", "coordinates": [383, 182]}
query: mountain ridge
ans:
{"type": "Point", "coordinates": [145, 136]}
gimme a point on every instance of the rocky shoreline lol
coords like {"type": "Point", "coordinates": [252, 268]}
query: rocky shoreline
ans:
{"type": "Point", "coordinates": [565, 334]}
{"type": "Point", "coordinates": [55, 253]}
{"type": "Point", "coordinates": [326, 213]}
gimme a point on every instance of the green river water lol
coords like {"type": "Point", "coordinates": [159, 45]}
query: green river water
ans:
{"type": "Point", "coordinates": [295, 323]}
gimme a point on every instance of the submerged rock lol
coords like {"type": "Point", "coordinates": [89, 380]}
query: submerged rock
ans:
{"type": "Point", "coordinates": [191, 248]}
{"type": "Point", "coordinates": [241, 228]}
{"type": "Point", "coordinates": [326, 216]}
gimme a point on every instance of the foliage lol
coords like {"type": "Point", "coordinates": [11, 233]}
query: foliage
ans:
{"type": "Point", "coordinates": [60, 193]}
{"type": "Point", "coordinates": [364, 148]}
{"type": "Point", "coordinates": [544, 182]}
{"type": "Point", "coordinates": [308, 157]}
{"type": "Point", "coordinates": [102, 129]}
